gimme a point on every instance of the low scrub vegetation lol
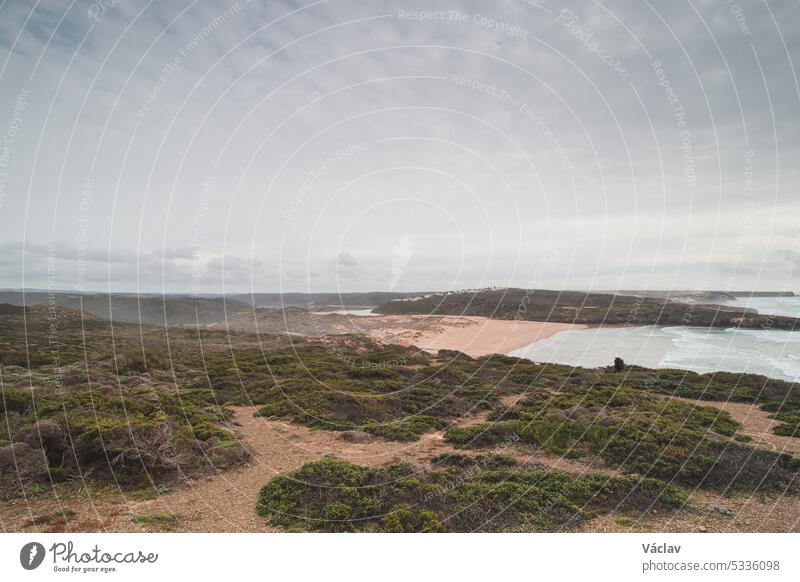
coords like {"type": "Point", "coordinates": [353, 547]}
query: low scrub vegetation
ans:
{"type": "Point", "coordinates": [146, 405]}
{"type": "Point", "coordinates": [582, 307]}
{"type": "Point", "coordinates": [458, 494]}
{"type": "Point", "coordinates": [637, 433]}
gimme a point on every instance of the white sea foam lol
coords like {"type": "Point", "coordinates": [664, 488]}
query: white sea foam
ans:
{"type": "Point", "coordinates": [773, 353]}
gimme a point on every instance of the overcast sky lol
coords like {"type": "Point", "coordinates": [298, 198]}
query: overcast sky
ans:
{"type": "Point", "coordinates": [345, 145]}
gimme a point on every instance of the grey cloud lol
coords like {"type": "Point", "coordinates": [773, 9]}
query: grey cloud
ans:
{"type": "Point", "coordinates": [345, 259]}
{"type": "Point", "coordinates": [473, 169]}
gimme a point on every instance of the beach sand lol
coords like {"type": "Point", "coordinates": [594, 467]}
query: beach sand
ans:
{"type": "Point", "coordinates": [475, 336]}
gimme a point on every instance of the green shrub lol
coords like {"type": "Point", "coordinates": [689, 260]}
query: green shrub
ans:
{"type": "Point", "coordinates": [58, 474]}
{"type": "Point", "coordinates": [405, 430]}
{"type": "Point", "coordinates": [334, 495]}
{"type": "Point", "coordinates": [638, 433]}
{"type": "Point", "coordinates": [140, 402]}
{"type": "Point", "coordinates": [789, 416]}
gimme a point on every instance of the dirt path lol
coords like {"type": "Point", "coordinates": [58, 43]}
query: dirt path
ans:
{"type": "Point", "coordinates": [713, 513]}
{"type": "Point", "coordinates": [226, 502]}
{"type": "Point", "coordinates": [756, 424]}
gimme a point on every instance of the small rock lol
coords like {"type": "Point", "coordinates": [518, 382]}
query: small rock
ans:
{"type": "Point", "coordinates": [702, 529]}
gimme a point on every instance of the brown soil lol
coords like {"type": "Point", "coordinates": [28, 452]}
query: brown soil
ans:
{"type": "Point", "coordinates": [712, 512]}
{"type": "Point", "coordinates": [729, 513]}
{"type": "Point", "coordinates": [756, 424]}
{"type": "Point", "coordinates": [226, 502]}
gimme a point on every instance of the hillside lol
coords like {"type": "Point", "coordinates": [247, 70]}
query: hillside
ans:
{"type": "Point", "coordinates": [176, 309]}
{"type": "Point", "coordinates": [369, 299]}
{"type": "Point", "coordinates": [130, 308]}
{"type": "Point", "coordinates": [137, 408]}
{"type": "Point", "coordinates": [582, 307]}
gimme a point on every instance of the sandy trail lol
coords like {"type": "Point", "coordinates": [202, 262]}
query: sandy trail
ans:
{"type": "Point", "coordinates": [713, 513]}
{"type": "Point", "coordinates": [475, 336]}
{"type": "Point", "coordinates": [226, 502]}
{"type": "Point", "coordinates": [756, 424]}
{"type": "Point", "coordinates": [725, 513]}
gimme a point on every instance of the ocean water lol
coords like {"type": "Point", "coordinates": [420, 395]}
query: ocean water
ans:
{"type": "Point", "coordinates": [772, 353]}
{"type": "Point", "coordinates": [789, 306]}
{"type": "Point", "coordinates": [353, 312]}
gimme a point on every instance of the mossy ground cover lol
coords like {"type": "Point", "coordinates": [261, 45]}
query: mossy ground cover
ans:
{"type": "Point", "coordinates": [112, 404]}
{"type": "Point", "coordinates": [128, 432]}
{"type": "Point", "coordinates": [788, 414]}
{"type": "Point", "coordinates": [637, 432]}
{"type": "Point", "coordinates": [776, 396]}
{"type": "Point", "coordinates": [716, 386]}
{"type": "Point", "coordinates": [396, 393]}
{"type": "Point", "coordinates": [465, 495]}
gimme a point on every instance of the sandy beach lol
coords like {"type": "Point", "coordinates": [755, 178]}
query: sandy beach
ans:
{"type": "Point", "coordinates": [475, 336]}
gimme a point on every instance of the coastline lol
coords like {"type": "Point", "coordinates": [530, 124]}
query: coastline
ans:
{"type": "Point", "coordinates": [472, 335]}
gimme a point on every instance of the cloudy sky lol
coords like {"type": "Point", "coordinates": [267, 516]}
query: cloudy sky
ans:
{"type": "Point", "coordinates": [345, 145]}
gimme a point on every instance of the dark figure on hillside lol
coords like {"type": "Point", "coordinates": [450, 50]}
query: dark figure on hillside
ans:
{"type": "Point", "coordinates": [619, 364]}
